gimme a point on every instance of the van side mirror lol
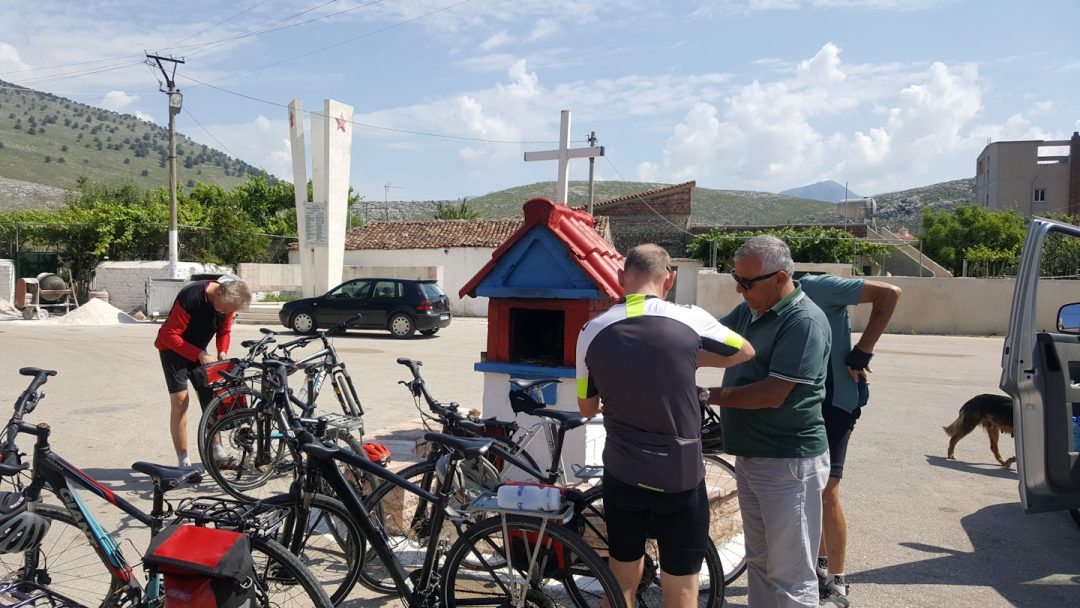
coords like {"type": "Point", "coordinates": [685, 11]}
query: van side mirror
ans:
{"type": "Point", "coordinates": [1069, 319]}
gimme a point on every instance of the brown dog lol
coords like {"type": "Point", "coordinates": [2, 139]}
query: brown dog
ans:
{"type": "Point", "coordinates": [993, 412]}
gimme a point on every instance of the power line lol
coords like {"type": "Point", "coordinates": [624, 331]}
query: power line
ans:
{"type": "Point", "coordinates": [192, 117]}
{"type": "Point", "coordinates": [370, 126]}
{"type": "Point", "coordinates": [225, 20]}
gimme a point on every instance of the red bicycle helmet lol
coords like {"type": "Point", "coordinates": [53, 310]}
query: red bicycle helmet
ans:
{"type": "Point", "coordinates": [377, 453]}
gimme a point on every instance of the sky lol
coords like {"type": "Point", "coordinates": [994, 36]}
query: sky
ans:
{"type": "Point", "coordinates": [763, 95]}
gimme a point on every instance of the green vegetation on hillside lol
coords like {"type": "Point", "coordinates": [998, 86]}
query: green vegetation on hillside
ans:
{"type": "Point", "coordinates": [53, 141]}
{"type": "Point", "coordinates": [711, 207]}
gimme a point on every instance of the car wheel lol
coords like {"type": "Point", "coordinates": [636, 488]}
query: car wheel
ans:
{"type": "Point", "coordinates": [430, 332]}
{"type": "Point", "coordinates": [401, 325]}
{"type": "Point", "coordinates": [303, 322]}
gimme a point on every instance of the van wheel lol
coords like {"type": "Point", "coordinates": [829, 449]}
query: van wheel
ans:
{"type": "Point", "coordinates": [401, 325]}
{"type": "Point", "coordinates": [303, 322]}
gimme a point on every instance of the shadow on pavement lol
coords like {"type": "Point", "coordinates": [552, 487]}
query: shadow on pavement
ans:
{"type": "Point", "coordinates": [1031, 560]}
{"type": "Point", "coordinates": [988, 469]}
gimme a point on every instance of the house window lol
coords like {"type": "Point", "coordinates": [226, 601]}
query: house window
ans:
{"type": "Point", "coordinates": [1039, 195]}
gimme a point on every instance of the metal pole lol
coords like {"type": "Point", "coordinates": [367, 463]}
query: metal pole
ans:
{"type": "Point", "coordinates": [592, 164]}
{"type": "Point", "coordinates": [713, 249]}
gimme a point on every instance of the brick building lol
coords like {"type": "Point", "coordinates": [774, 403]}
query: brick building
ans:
{"type": "Point", "coordinates": [660, 215]}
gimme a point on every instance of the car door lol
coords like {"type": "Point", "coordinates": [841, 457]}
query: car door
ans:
{"type": "Point", "coordinates": [386, 296]}
{"type": "Point", "coordinates": [344, 302]}
{"type": "Point", "coordinates": [1041, 366]}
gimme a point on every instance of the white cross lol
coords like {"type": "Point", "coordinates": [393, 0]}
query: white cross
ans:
{"type": "Point", "coordinates": [563, 155]}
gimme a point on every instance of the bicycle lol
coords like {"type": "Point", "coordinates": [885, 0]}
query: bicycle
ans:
{"type": "Point", "coordinates": [408, 516]}
{"type": "Point", "coordinates": [725, 517]}
{"type": "Point", "coordinates": [251, 461]}
{"type": "Point", "coordinates": [512, 558]}
{"type": "Point", "coordinates": [78, 559]}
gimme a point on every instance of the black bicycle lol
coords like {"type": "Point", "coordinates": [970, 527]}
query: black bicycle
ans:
{"type": "Point", "coordinates": [79, 560]}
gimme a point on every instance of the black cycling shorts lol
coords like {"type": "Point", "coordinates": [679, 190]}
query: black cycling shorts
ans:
{"type": "Point", "coordinates": [177, 373]}
{"type": "Point", "coordinates": [679, 521]}
{"type": "Point", "coordinates": [839, 424]}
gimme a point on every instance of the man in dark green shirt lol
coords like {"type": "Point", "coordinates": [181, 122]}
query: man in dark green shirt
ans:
{"type": "Point", "coordinates": [771, 412]}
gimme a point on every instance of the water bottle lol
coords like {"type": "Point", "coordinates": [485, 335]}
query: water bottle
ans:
{"type": "Point", "coordinates": [529, 498]}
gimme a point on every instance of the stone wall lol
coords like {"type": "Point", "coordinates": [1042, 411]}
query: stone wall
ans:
{"type": "Point", "coordinates": [633, 218]}
{"type": "Point", "coordinates": [7, 280]}
{"type": "Point", "coordinates": [126, 281]}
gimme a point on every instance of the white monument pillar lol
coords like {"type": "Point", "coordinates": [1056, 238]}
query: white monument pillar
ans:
{"type": "Point", "coordinates": [321, 221]}
{"type": "Point", "coordinates": [563, 155]}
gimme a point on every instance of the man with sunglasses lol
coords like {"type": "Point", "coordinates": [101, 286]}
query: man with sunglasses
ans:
{"type": "Point", "coordinates": [771, 413]}
{"type": "Point", "coordinates": [846, 392]}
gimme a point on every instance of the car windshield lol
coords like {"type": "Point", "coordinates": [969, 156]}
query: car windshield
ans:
{"type": "Point", "coordinates": [432, 291]}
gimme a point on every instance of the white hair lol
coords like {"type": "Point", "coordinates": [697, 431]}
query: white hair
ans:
{"type": "Point", "coordinates": [773, 253]}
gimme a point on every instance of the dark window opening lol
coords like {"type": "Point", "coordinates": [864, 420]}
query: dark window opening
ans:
{"type": "Point", "coordinates": [536, 336]}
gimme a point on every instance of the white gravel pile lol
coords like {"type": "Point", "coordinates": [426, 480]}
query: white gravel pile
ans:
{"type": "Point", "coordinates": [8, 310]}
{"type": "Point", "coordinates": [96, 312]}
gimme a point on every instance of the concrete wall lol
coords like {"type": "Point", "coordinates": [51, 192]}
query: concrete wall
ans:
{"type": "Point", "coordinates": [271, 277]}
{"type": "Point", "coordinates": [7, 280]}
{"type": "Point", "coordinates": [126, 281]}
{"type": "Point", "coordinates": [459, 265]}
{"type": "Point", "coordinates": [929, 305]}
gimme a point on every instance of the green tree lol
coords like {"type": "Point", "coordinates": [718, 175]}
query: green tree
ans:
{"type": "Point", "coordinates": [450, 211]}
{"type": "Point", "coordinates": [948, 236]}
{"type": "Point", "coordinates": [810, 245]}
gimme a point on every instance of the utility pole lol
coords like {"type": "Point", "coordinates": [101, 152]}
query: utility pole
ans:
{"type": "Point", "coordinates": [176, 100]}
{"type": "Point", "coordinates": [592, 165]}
{"type": "Point", "coordinates": [386, 199]}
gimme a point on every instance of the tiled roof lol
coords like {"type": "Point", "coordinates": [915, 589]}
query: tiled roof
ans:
{"type": "Point", "coordinates": [433, 234]}
{"type": "Point", "coordinates": [637, 195]}
{"type": "Point", "coordinates": [578, 232]}
{"type": "Point", "coordinates": [438, 234]}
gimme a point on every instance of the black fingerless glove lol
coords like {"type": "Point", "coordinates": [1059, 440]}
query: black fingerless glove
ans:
{"type": "Point", "coordinates": [858, 359]}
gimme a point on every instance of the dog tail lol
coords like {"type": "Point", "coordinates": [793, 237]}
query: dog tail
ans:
{"type": "Point", "coordinates": [954, 427]}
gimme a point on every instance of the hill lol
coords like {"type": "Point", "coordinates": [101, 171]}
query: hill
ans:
{"type": "Point", "coordinates": [904, 208]}
{"type": "Point", "coordinates": [828, 191]}
{"type": "Point", "coordinates": [51, 141]}
{"type": "Point", "coordinates": [711, 207]}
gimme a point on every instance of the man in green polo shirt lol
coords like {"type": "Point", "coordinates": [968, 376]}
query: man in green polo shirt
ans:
{"type": "Point", "coordinates": [771, 412]}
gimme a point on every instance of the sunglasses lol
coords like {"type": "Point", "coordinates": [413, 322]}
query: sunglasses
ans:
{"type": "Point", "coordinates": [748, 284]}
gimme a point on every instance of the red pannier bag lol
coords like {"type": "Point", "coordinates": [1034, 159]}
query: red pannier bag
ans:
{"type": "Point", "coordinates": [208, 378]}
{"type": "Point", "coordinates": [204, 567]}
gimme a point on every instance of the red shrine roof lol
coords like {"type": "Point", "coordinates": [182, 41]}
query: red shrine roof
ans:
{"type": "Point", "coordinates": [594, 255]}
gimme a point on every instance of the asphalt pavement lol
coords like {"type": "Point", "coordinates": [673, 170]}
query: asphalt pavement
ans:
{"type": "Point", "coordinates": [923, 530]}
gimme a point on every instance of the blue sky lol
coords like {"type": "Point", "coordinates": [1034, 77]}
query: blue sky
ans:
{"type": "Point", "coordinates": [757, 95]}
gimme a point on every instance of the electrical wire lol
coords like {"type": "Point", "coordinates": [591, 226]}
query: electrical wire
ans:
{"type": "Point", "coordinates": [207, 131]}
{"type": "Point", "coordinates": [223, 21]}
{"type": "Point", "coordinates": [369, 126]}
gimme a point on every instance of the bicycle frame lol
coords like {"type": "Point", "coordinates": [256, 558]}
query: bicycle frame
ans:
{"type": "Point", "coordinates": [52, 472]}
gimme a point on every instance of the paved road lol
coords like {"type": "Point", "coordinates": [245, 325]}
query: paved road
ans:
{"type": "Point", "coordinates": [924, 531]}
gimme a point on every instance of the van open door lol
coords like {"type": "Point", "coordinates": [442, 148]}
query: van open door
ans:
{"type": "Point", "coordinates": [1040, 366]}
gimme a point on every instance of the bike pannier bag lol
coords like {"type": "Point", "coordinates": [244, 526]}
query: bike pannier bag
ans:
{"type": "Point", "coordinates": [204, 567]}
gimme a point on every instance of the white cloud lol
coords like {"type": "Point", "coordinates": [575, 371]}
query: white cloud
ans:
{"type": "Point", "coordinates": [545, 28]}
{"type": "Point", "coordinates": [117, 100]}
{"type": "Point", "coordinates": [10, 62]}
{"type": "Point", "coordinates": [495, 41]}
{"type": "Point", "coordinates": [144, 116]}
{"type": "Point", "coordinates": [769, 135]}
{"type": "Point", "coordinates": [721, 8]}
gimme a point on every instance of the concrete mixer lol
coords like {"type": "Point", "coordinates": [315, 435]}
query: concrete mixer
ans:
{"type": "Point", "coordinates": [35, 296]}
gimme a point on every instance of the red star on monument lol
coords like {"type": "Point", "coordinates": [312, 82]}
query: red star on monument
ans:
{"type": "Point", "coordinates": [292, 121]}
{"type": "Point", "coordinates": [341, 123]}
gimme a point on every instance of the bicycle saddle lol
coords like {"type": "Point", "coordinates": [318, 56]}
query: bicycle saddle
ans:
{"type": "Point", "coordinates": [166, 477]}
{"type": "Point", "coordinates": [525, 384]}
{"type": "Point", "coordinates": [34, 371]}
{"type": "Point", "coordinates": [569, 420]}
{"type": "Point", "coordinates": [465, 446]}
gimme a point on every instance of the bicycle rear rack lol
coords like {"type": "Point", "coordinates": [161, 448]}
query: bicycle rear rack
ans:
{"type": "Point", "coordinates": [232, 514]}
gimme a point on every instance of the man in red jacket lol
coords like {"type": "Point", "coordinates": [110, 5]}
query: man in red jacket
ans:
{"type": "Point", "coordinates": [202, 310]}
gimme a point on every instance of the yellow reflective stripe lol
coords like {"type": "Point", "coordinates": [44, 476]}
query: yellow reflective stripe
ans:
{"type": "Point", "coordinates": [635, 305]}
{"type": "Point", "coordinates": [583, 388]}
{"type": "Point", "coordinates": [734, 340]}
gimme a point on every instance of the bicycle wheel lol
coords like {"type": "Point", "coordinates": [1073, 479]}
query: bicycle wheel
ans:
{"type": "Point", "coordinates": [64, 562]}
{"type": "Point", "coordinates": [329, 543]}
{"type": "Point", "coordinates": [255, 461]}
{"type": "Point", "coordinates": [564, 571]}
{"type": "Point", "coordinates": [711, 581]}
{"type": "Point", "coordinates": [229, 400]}
{"type": "Point", "coordinates": [407, 520]}
{"type": "Point", "coordinates": [725, 518]}
{"type": "Point", "coordinates": [283, 580]}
